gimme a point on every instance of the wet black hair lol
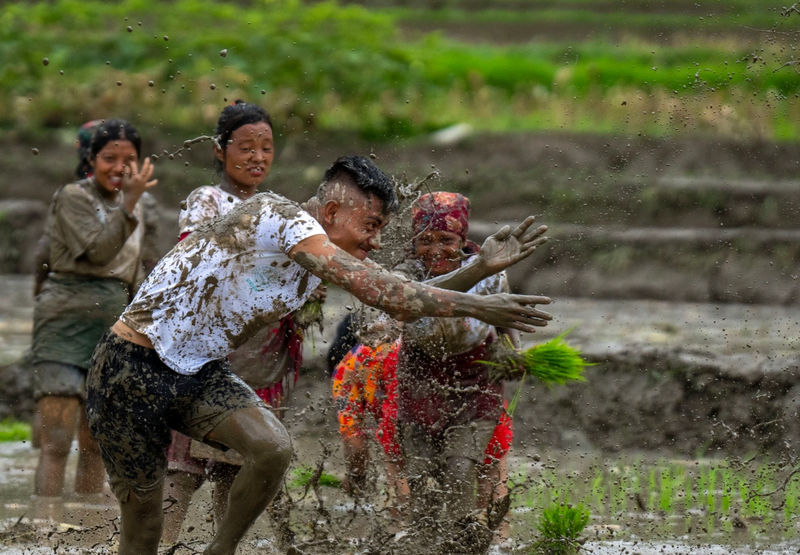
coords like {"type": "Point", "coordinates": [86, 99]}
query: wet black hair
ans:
{"type": "Point", "coordinates": [232, 118]}
{"type": "Point", "coordinates": [114, 130]}
{"type": "Point", "coordinates": [366, 176]}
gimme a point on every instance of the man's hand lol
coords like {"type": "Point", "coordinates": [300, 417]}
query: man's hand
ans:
{"type": "Point", "coordinates": [513, 311]}
{"type": "Point", "coordinates": [505, 248]}
{"type": "Point", "coordinates": [135, 183]}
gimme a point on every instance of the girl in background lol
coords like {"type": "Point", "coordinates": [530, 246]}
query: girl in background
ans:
{"type": "Point", "coordinates": [93, 254]}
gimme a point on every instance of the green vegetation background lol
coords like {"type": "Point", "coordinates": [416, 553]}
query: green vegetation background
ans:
{"type": "Point", "coordinates": [358, 68]}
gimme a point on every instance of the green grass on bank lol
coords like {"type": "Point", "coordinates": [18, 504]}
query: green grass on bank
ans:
{"type": "Point", "coordinates": [703, 6]}
{"type": "Point", "coordinates": [11, 430]}
{"type": "Point", "coordinates": [617, 18]}
{"type": "Point", "coordinates": [348, 69]}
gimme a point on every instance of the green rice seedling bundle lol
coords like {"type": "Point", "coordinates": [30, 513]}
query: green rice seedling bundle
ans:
{"type": "Point", "coordinates": [554, 362]}
{"type": "Point", "coordinates": [309, 315]}
{"type": "Point", "coordinates": [560, 528]}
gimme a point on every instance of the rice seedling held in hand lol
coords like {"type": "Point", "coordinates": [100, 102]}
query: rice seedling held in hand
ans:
{"type": "Point", "coordinates": [309, 315]}
{"type": "Point", "coordinates": [554, 362]}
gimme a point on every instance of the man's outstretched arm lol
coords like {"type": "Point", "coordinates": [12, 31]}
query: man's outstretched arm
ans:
{"type": "Point", "coordinates": [403, 299]}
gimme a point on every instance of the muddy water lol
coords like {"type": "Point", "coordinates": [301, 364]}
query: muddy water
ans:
{"type": "Point", "coordinates": [79, 525]}
{"type": "Point", "coordinates": [332, 523]}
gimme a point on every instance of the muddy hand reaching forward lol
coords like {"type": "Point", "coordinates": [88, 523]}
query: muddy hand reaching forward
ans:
{"type": "Point", "coordinates": [404, 300]}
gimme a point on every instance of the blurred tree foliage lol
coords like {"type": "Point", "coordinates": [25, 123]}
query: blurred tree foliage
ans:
{"type": "Point", "coordinates": [345, 68]}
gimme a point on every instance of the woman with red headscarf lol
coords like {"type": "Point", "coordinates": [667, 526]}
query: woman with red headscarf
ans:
{"type": "Point", "coordinates": [448, 408]}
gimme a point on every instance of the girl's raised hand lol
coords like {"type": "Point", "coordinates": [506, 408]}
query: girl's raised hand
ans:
{"type": "Point", "coordinates": [136, 182]}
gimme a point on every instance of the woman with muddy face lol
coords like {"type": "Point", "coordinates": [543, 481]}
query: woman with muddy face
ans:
{"type": "Point", "coordinates": [271, 360]}
{"type": "Point", "coordinates": [364, 380]}
{"type": "Point", "coordinates": [441, 251]}
{"type": "Point", "coordinates": [451, 415]}
{"type": "Point", "coordinates": [93, 249]}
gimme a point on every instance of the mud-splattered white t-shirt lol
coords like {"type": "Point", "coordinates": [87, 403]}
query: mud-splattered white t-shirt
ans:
{"type": "Point", "coordinates": [228, 279]}
{"type": "Point", "coordinates": [205, 204]}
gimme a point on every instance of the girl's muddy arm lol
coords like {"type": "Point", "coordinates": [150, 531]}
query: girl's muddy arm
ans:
{"type": "Point", "coordinates": [404, 299]}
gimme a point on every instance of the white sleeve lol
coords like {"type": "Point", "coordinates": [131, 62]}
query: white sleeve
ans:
{"type": "Point", "coordinates": [200, 207]}
{"type": "Point", "coordinates": [287, 225]}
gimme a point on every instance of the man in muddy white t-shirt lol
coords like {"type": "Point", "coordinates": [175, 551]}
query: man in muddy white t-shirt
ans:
{"type": "Point", "coordinates": [162, 365]}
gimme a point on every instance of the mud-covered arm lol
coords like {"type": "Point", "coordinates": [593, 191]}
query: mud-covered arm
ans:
{"type": "Point", "coordinates": [452, 336]}
{"type": "Point", "coordinates": [84, 233]}
{"type": "Point", "coordinates": [403, 299]}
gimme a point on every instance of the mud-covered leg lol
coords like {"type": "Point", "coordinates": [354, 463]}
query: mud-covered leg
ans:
{"type": "Point", "coordinates": [142, 522]}
{"type": "Point", "coordinates": [90, 474]}
{"type": "Point", "coordinates": [180, 486]}
{"type": "Point", "coordinates": [59, 416]}
{"type": "Point", "coordinates": [464, 447]}
{"type": "Point", "coordinates": [421, 464]}
{"type": "Point", "coordinates": [257, 435]}
{"type": "Point", "coordinates": [459, 485]}
{"type": "Point", "coordinates": [225, 474]}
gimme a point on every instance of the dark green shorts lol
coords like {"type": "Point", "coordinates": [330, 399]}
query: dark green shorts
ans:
{"type": "Point", "coordinates": [134, 399]}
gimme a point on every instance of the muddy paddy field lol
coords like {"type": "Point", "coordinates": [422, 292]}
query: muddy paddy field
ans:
{"type": "Point", "coordinates": [675, 264]}
{"type": "Point", "coordinates": [646, 491]}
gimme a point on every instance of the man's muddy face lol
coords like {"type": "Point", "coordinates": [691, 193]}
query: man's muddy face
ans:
{"type": "Point", "coordinates": [353, 221]}
{"type": "Point", "coordinates": [438, 251]}
{"type": "Point", "coordinates": [112, 162]}
{"type": "Point", "coordinates": [248, 155]}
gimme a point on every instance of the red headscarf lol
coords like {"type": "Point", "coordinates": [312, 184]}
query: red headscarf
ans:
{"type": "Point", "coordinates": [441, 211]}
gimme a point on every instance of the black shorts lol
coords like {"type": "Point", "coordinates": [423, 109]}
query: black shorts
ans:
{"type": "Point", "coordinates": [134, 399]}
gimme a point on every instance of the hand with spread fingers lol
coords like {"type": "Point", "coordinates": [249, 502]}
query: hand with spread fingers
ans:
{"type": "Point", "coordinates": [136, 182]}
{"type": "Point", "coordinates": [506, 247]}
{"type": "Point", "coordinates": [517, 312]}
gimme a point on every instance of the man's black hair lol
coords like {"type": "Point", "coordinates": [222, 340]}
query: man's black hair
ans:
{"type": "Point", "coordinates": [366, 176]}
{"type": "Point", "coordinates": [233, 117]}
{"type": "Point", "coordinates": [114, 130]}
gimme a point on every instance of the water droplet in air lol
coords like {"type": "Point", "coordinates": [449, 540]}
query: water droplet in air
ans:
{"type": "Point", "coordinates": [151, 84]}
{"type": "Point", "coordinates": [166, 38]}
{"type": "Point", "coordinates": [46, 62]}
{"type": "Point", "coordinates": [213, 86]}
{"type": "Point", "coordinates": [35, 151]}
{"type": "Point", "coordinates": [130, 29]}
{"type": "Point", "coordinates": [223, 52]}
